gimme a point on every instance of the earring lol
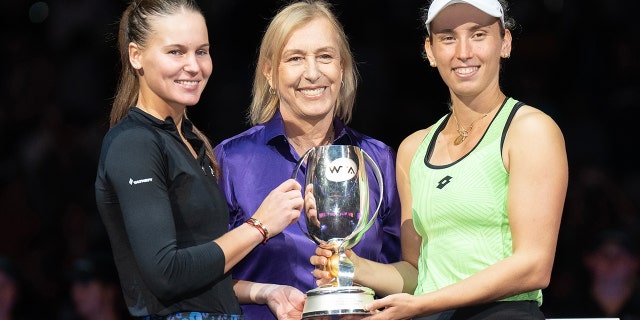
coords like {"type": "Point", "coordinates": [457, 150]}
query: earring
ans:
{"type": "Point", "coordinates": [431, 63]}
{"type": "Point", "coordinates": [506, 55]}
{"type": "Point", "coordinates": [272, 91]}
{"type": "Point", "coordinates": [138, 70]}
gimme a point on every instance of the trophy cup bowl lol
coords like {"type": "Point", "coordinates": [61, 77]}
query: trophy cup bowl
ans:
{"type": "Point", "coordinates": [337, 188]}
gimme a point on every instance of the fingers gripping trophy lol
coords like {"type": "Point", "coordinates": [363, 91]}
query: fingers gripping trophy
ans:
{"type": "Point", "coordinates": [337, 216]}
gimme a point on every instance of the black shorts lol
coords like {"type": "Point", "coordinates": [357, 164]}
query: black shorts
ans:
{"type": "Point", "coordinates": [503, 310]}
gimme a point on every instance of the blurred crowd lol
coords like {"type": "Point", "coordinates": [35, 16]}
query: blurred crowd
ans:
{"type": "Point", "coordinates": [574, 59]}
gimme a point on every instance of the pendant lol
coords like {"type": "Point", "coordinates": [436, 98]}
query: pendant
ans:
{"type": "Point", "coordinates": [461, 137]}
{"type": "Point", "coordinates": [458, 140]}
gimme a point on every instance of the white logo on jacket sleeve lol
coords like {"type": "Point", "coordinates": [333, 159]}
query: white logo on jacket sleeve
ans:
{"type": "Point", "coordinates": [132, 182]}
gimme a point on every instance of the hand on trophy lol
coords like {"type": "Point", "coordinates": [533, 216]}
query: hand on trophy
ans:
{"type": "Point", "coordinates": [326, 261]}
{"type": "Point", "coordinates": [310, 206]}
{"type": "Point", "coordinates": [320, 260]}
{"type": "Point", "coordinates": [281, 207]}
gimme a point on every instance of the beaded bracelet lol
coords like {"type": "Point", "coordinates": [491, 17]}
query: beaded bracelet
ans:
{"type": "Point", "coordinates": [260, 226]}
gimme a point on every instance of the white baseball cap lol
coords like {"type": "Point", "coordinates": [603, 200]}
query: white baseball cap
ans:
{"type": "Point", "coordinates": [490, 7]}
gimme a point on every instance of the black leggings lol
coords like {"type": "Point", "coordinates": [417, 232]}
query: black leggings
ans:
{"type": "Point", "coordinates": [504, 310]}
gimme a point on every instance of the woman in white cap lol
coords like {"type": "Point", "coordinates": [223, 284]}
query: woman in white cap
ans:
{"type": "Point", "coordinates": [482, 189]}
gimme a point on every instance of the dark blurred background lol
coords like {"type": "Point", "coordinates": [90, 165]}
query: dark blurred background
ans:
{"type": "Point", "coordinates": [577, 60]}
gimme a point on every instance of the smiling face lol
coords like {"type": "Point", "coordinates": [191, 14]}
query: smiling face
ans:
{"type": "Point", "coordinates": [309, 72]}
{"type": "Point", "coordinates": [175, 64]}
{"type": "Point", "coordinates": [466, 46]}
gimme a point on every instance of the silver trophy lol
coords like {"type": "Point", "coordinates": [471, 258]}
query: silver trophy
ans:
{"type": "Point", "coordinates": [336, 185]}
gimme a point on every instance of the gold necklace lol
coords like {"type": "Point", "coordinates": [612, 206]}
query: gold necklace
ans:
{"type": "Point", "coordinates": [462, 131]}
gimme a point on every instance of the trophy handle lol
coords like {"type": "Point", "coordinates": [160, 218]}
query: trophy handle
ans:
{"type": "Point", "coordinates": [350, 242]}
{"type": "Point", "coordinates": [294, 175]}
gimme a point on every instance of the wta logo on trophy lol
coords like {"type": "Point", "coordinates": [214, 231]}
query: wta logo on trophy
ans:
{"type": "Point", "coordinates": [340, 170]}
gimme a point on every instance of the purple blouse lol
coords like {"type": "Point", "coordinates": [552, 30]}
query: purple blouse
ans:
{"type": "Point", "coordinates": [256, 161]}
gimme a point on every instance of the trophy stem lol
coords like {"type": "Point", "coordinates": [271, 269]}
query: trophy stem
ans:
{"type": "Point", "coordinates": [345, 269]}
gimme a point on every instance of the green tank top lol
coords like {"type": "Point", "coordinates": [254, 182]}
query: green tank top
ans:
{"type": "Point", "coordinates": [460, 209]}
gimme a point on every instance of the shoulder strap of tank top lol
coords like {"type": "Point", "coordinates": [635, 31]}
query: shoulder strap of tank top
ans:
{"type": "Point", "coordinates": [508, 123]}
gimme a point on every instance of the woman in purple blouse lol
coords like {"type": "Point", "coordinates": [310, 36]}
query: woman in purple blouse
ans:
{"type": "Point", "coordinates": [303, 95]}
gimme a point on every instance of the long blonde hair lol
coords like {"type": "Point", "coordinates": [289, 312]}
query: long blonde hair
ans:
{"type": "Point", "coordinates": [264, 103]}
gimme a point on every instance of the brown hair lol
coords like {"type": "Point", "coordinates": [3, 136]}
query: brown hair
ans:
{"type": "Point", "coordinates": [136, 27]}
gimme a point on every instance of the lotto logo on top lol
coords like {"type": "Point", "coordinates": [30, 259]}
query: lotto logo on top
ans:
{"type": "Point", "coordinates": [341, 169]}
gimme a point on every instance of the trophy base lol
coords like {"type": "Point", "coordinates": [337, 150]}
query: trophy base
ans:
{"type": "Point", "coordinates": [332, 303]}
